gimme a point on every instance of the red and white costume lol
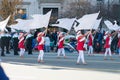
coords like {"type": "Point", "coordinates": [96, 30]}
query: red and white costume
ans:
{"type": "Point", "coordinates": [80, 42]}
{"type": "Point", "coordinates": [21, 44]}
{"type": "Point", "coordinates": [41, 41]}
{"type": "Point", "coordinates": [90, 43]}
{"type": "Point", "coordinates": [119, 43]}
{"type": "Point", "coordinates": [61, 44]}
{"type": "Point", "coordinates": [107, 44]}
{"type": "Point", "coordinates": [80, 47]}
{"type": "Point", "coordinates": [119, 46]}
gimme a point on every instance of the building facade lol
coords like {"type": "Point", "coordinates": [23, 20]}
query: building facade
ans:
{"type": "Point", "coordinates": [43, 6]}
{"type": "Point", "coordinates": [31, 7]}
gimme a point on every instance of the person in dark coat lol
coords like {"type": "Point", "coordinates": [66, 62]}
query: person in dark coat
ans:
{"type": "Point", "coordinates": [54, 37]}
{"type": "Point", "coordinates": [7, 43]}
{"type": "Point", "coordinates": [28, 43]}
{"type": "Point", "coordinates": [3, 42]}
{"type": "Point", "coordinates": [15, 41]}
{"type": "Point", "coordinates": [98, 41]}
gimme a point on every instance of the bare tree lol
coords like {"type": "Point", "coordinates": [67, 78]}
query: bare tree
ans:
{"type": "Point", "coordinates": [77, 9]}
{"type": "Point", "coordinates": [9, 7]}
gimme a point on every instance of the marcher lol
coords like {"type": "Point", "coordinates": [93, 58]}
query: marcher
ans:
{"type": "Point", "coordinates": [60, 45]}
{"type": "Point", "coordinates": [90, 44]}
{"type": "Point", "coordinates": [107, 45]}
{"type": "Point", "coordinates": [119, 46]}
{"type": "Point", "coordinates": [118, 42]}
{"type": "Point", "coordinates": [21, 44]}
{"type": "Point", "coordinates": [41, 41]}
{"type": "Point", "coordinates": [80, 46]}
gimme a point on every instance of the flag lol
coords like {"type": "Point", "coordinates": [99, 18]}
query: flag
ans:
{"type": "Point", "coordinates": [97, 23]}
{"type": "Point", "coordinates": [40, 21]}
{"type": "Point", "coordinates": [65, 23]}
{"type": "Point", "coordinates": [22, 25]}
{"type": "Point", "coordinates": [3, 24]}
{"type": "Point", "coordinates": [86, 22]}
{"type": "Point", "coordinates": [111, 26]}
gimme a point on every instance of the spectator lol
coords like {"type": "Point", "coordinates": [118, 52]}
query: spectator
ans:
{"type": "Point", "coordinates": [47, 43]}
{"type": "Point", "coordinates": [54, 37]}
{"type": "Point", "coordinates": [98, 41]}
{"type": "Point", "coordinates": [28, 42]}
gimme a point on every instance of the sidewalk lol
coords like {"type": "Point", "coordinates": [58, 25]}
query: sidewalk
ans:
{"type": "Point", "coordinates": [22, 72]}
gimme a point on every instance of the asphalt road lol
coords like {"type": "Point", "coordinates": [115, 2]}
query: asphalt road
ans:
{"type": "Point", "coordinates": [27, 68]}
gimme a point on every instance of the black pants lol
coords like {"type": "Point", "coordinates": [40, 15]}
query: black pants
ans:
{"type": "Point", "coordinates": [15, 48]}
{"type": "Point", "coordinates": [15, 45]}
{"type": "Point", "coordinates": [29, 48]}
{"type": "Point", "coordinates": [7, 47]}
{"type": "Point", "coordinates": [2, 52]}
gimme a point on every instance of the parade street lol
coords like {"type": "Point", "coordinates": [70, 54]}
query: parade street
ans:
{"type": "Point", "coordinates": [27, 68]}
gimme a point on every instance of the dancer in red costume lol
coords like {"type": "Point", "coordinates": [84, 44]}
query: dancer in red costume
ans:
{"type": "Point", "coordinates": [80, 46]}
{"type": "Point", "coordinates": [119, 45]}
{"type": "Point", "coordinates": [21, 44]}
{"type": "Point", "coordinates": [90, 44]}
{"type": "Point", "coordinates": [41, 41]}
{"type": "Point", "coordinates": [61, 45]}
{"type": "Point", "coordinates": [118, 42]}
{"type": "Point", "coordinates": [107, 45]}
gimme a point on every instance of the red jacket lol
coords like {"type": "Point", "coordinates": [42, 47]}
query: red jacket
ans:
{"type": "Point", "coordinates": [61, 42]}
{"type": "Point", "coordinates": [107, 42]}
{"type": "Point", "coordinates": [21, 42]}
{"type": "Point", "coordinates": [40, 43]}
{"type": "Point", "coordinates": [80, 42]}
{"type": "Point", "coordinates": [90, 40]}
{"type": "Point", "coordinates": [118, 43]}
